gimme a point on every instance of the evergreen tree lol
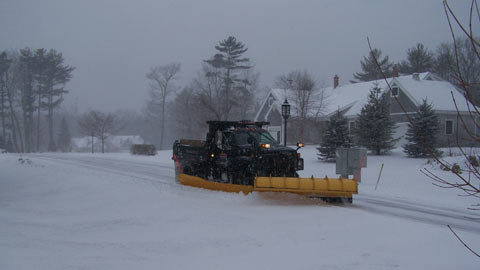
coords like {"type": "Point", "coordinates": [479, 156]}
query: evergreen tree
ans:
{"type": "Point", "coordinates": [419, 59]}
{"type": "Point", "coordinates": [40, 63]}
{"type": "Point", "coordinates": [5, 63]}
{"type": "Point", "coordinates": [370, 68]}
{"type": "Point", "coordinates": [226, 63]}
{"type": "Point", "coordinates": [422, 135]}
{"type": "Point", "coordinates": [27, 71]}
{"type": "Point", "coordinates": [374, 126]}
{"type": "Point", "coordinates": [2, 143]}
{"type": "Point", "coordinates": [64, 137]}
{"type": "Point", "coordinates": [336, 135]}
{"type": "Point", "coordinates": [57, 74]}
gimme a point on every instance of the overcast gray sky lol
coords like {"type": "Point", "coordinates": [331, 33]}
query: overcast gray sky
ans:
{"type": "Point", "coordinates": [113, 43]}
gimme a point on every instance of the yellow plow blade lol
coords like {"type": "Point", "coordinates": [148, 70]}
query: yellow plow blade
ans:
{"type": "Point", "coordinates": [196, 181]}
{"type": "Point", "coordinates": [322, 187]}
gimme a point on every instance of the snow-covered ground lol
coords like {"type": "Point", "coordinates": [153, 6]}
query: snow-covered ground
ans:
{"type": "Point", "coordinates": [118, 211]}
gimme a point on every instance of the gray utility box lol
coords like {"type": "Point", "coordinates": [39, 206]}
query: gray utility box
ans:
{"type": "Point", "coordinates": [349, 161]}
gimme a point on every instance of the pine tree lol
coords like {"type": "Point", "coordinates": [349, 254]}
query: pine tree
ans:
{"type": "Point", "coordinates": [64, 137]}
{"type": "Point", "coordinates": [336, 135]}
{"type": "Point", "coordinates": [27, 70]}
{"type": "Point", "coordinates": [2, 143]}
{"type": "Point", "coordinates": [419, 59]}
{"type": "Point", "coordinates": [5, 63]}
{"type": "Point", "coordinates": [58, 74]}
{"type": "Point", "coordinates": [370, 68]}
{"type": "Point", "coordinates": [422, 135]}
{"type": "Point", "coordinates": [228, 61]}
{"type": "Point", "coordinates": [374, 126]}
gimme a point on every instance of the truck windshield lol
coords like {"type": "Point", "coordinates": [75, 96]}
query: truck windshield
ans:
{"type": "Point", "coordinates": [260, 136]}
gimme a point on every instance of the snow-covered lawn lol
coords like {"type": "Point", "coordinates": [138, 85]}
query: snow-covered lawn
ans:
{"type": "Point", "coordinates": [117, 211]}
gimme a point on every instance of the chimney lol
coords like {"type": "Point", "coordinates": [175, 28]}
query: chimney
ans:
{"type": "Point", "coordinates": [395, 71]}
{"type": "Point", "coordinates": [416, 76]}
{"type": "Point", "coordinates": [335, 81]}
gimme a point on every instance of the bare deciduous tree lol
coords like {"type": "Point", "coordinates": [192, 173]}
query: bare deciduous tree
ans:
{"type": "Point", "coordinates": [99, 125]}
{"type": "Point", "coordinates": [187, 125]}
{"type": "Point", "coordinates": [210, 92]}
{"type": "Point", "coordinates": [161, 86]}
{"type": "Point", "coordinates": [87, 126]}
{"type": "Point", "coordinates": [309, 99]}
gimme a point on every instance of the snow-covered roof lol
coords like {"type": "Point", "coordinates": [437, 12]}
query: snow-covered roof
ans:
{"type": "Point", "coordinates": [439, 93]}
{"type": "Point", "coordinates": [353, 97]}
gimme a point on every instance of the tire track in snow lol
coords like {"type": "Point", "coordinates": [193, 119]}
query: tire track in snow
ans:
{"type": "Point", "coordinates": [442, 216]}
{"type": "Point", "coordinates": [164, 174]}
{"type": "Point", "coordinates": [140, 171]}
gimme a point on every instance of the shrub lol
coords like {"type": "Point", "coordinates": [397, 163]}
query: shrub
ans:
{"type": "Point", "coordinates": [473, 161]}
{"type": "Point", "coordinates": [456, 168]}
{"type": "Point", "coordinates": [143, 149]}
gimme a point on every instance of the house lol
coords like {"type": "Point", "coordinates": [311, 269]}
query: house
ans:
{"type": "Point", "coordinates": [114, 143]}
{"type": "Point", "coordinates": [410, 90]}
{"type": "Point", "coordinates": [307, 107]}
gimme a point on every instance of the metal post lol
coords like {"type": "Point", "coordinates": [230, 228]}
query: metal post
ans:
{"type": "Point", "coordinates": [285, 114]}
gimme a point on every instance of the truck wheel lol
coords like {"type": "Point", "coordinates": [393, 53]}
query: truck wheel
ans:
{"type": "Point", "coordinates": [236, 178]}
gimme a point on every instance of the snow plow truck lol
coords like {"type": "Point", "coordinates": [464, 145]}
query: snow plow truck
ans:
{"type": "Point", "coordinates": [241, 156]}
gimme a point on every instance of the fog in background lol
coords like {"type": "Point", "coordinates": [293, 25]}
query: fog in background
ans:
{"type": "Point", "coordinates": [113, 44]}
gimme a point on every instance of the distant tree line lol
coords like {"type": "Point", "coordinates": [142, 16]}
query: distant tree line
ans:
{"type": "Point", "coordinates": [442, 62]}
{"type": "Point", "coordinates": [32, 87]}
{"type": "Point", "coordinates": [224, 89]}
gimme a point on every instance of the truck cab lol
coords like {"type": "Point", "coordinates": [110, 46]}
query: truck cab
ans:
{"type": "Point", "coordinates": [237, 152]}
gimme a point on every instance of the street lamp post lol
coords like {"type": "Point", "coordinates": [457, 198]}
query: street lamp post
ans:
{"type": "Point", "coordinates": [285, 115]}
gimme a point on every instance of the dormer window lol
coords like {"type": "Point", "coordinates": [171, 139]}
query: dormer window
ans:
{"type": "Point", "coordinates": [395, 91]}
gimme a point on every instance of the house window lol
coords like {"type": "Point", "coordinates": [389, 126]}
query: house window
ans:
{"type": "Point", "coordinates": [395, 91]}
{"type": "Point", "coordinates": [351, 126]}
{"type": "Point", "coordinates": [449, 127]}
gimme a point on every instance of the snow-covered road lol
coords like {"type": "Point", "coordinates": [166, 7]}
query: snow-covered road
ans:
{"type": "Point", "coordinates": [161, 173]}
{"type": "Point", "coordinates": [117, 211]}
